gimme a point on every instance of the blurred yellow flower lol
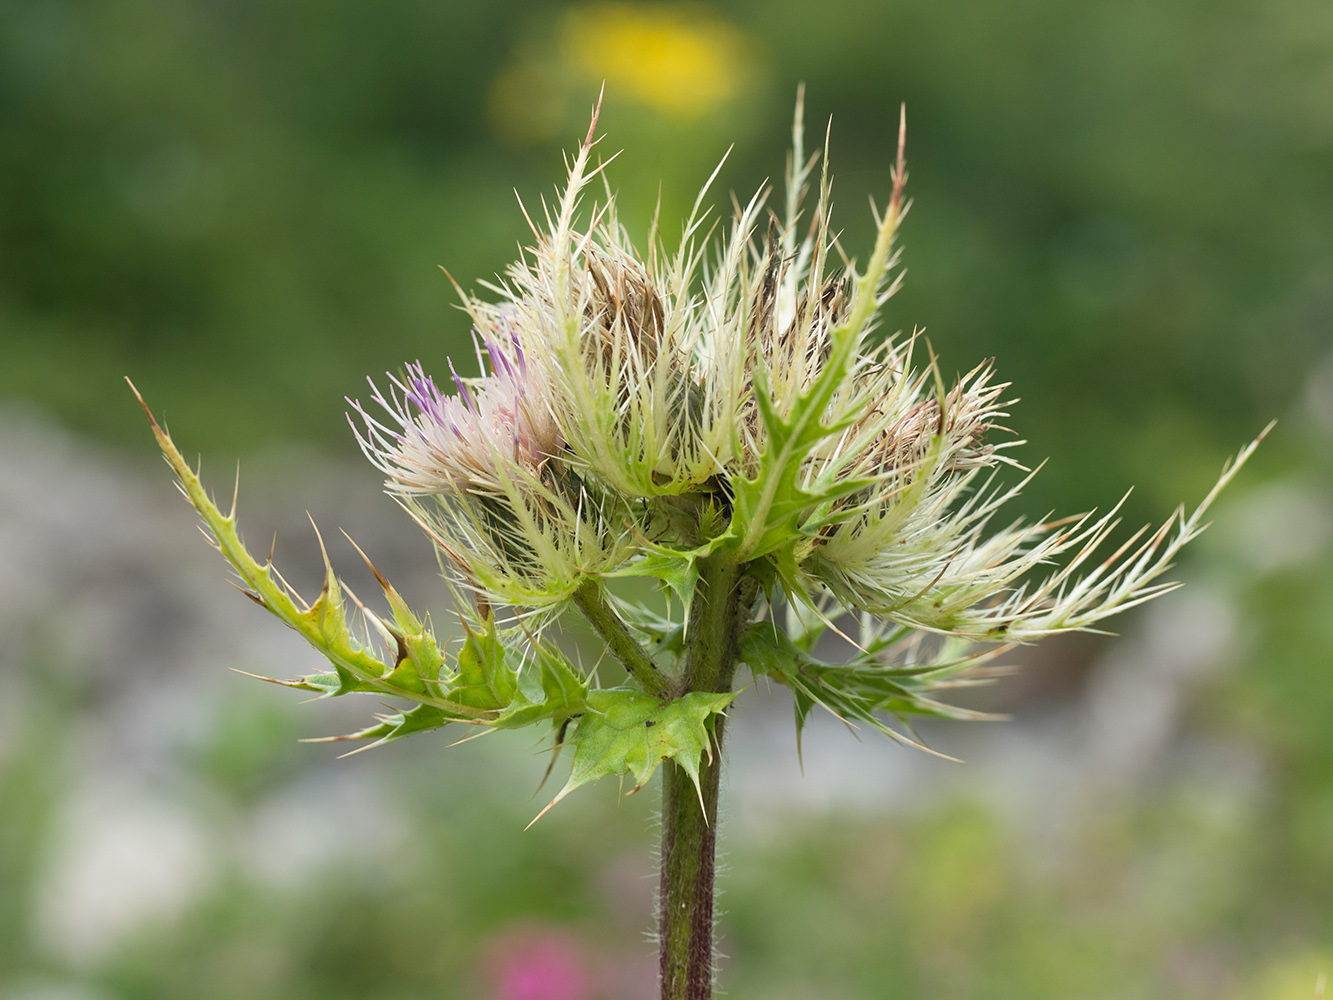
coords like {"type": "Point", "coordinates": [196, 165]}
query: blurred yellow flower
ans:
{"type": "Point", "coordinates": [681, 59]}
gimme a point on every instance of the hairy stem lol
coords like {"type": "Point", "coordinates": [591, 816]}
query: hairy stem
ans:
{"type": "Point", "coordinates": [607, 624]}
{"type": "Point", "coordinates": [689, 849]}
{"type": "Point", "coordinates": [720, 609]}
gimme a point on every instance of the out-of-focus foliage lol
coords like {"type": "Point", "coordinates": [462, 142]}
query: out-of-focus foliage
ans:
{"type": "Point", "coordinates": [243, 205]}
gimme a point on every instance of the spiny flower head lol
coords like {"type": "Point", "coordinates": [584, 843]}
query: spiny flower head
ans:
{"type": "Point", "coordinates": [734, 398]}
{"type": "Point", "coordinates": [479, 470]}
{"type": "Point", "coordinates": [729, 405]}
{"type": "Point", "coordinates": [469, 441]}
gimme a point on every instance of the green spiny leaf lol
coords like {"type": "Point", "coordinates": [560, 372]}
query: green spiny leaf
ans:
{"type": "Point", "coordinates": [856, 691]}
{"type": "Point", "coordinates": [678, 569]}
{"type": "Point", "coordinates": [484, 680]}
{"type": "Point", "coordinates": [562, 692]}
{"type": "Point", "coordinates": [624, 730]}
{"type": "Point", "coordinates": [419, 719]}
{"type": "Point", "coordinates": [769, 508]}
{"type": "Point", "coordinates": [324, 623]}
{"type": "Point", "coordinates": [327, 685]}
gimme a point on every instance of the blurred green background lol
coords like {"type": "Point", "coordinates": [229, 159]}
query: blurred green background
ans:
{"type": "Point", "coordinates": [245, 205]}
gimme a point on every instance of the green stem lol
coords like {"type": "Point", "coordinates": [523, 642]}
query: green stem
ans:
{"type": "Point", "coordinates": [685, 893]}
{"type": "Point", "coordinates": [719, 610]}
{"type": "Point", "coordinates": [593, 604]}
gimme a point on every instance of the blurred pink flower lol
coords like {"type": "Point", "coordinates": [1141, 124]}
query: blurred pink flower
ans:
{"type": "Point", "coordinates": [538, 965]}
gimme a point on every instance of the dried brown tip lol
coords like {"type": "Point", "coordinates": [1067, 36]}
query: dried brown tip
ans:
{"type": "Point", "coordinates": [596, 113]}
{"type": "Point", "coordinates": [457, 287]}
{"type": "Point", "coordinates": [383, 582]}
{"type": "Point", "coordinates": [139, 396]}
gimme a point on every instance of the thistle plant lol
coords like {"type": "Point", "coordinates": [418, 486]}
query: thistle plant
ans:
{"type": "Point", "coordinates": [726, 421]}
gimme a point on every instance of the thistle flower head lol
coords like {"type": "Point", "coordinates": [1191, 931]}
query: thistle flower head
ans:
{"type": "Point", "coordinates": [640, 412]}
{"type": "Point", "coordinates": [480, 471]}
{"type": "Point", "coordinates": [743, 380]}
{"type": "Point", "coordinates": [490, 429]}
{"type": "Point", "coordinates": [714, 416]}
